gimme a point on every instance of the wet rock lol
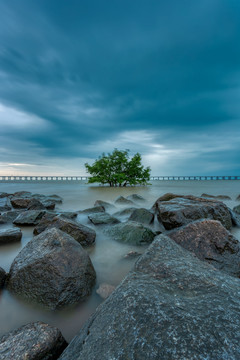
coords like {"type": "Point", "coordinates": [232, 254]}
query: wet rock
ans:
{"type": "Point", "coordinates": [34, 341]}
{"type": "Point", "coordinates": [220, 197]}
{"type": "Point", "coordinates": [125, 212]}
{"type": "Point", "coordinates": [179, 211]}
{"type": "Point", "coordinates": [56, 198]}
{"type": "Point", "coordinates": [93, 210]}
{"type": "Point", "coordinates": [22, 194]}
{"type": "Point", "coordinates": [132, 254]}
{"type": "Point", "coordinates": [105, 290]}
{"type": "Point", "coordinates": [2, 277]}
{"type": "Point", "coordinates": [68, 214]}
{"type": "Point", "coordinates": [49, 204]}
{"type": "Point", "coordinates": [210, 241]}
{"type": "Point", "coordinates": [44, 222]}
{"type": "Point", "coordinates": [236, 209]}
{"type": "Point", "coordinates": [105, 205]}
{"type": "Point", "coordinates": [131, 232]}
{"type": "Point", "coordinates": [20, 203]}
{"type": "Point", "coordinates": [238, 198]}
{"type": "Point", "coordinates": [5, 204]}
{"type": "Point", "coordinates": [35, 204]}
{"type": "Point", "coordinates": [235, 218]}
{"type": "Point", "coordinates": [121, 200]}
{"type": "Point", "coordinates": [170, 306]}
{"type": "Point", "coordinates": [135, 197]}
{"type": "Point", "coordinates": [81, 233]}
{"type": "Point", "coordinates": [4, 194]}
{"type": "Point", "coordinates": [8, 236]}
{"type": "Point", "coordinates": [9, 216]}
{"type": "Point", "coordinates": [29, 217]}
{"type": "Point", "coordinates": [52, 270]}
{"type": "Point", "coordinates": [142, 216]}
{"type": "Point", "coordinates": [102, 218]}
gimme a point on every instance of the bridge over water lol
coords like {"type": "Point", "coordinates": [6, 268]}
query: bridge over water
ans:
{"type": "Point", "coordinates": [27, 178]}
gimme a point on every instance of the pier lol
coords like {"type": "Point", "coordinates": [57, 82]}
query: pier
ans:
{"type": "Point", "coordinates": [27, 178]}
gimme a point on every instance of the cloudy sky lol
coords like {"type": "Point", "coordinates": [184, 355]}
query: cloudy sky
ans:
{"type": "Point", "coordinates": [82, 77]}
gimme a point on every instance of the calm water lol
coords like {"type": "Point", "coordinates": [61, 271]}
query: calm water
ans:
{"type": "Point", "coordinates": [106, 255]}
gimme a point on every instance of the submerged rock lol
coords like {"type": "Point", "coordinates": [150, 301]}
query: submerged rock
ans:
{"type": "Point", "coordinates": [135, 197]}
{"type": "Point", "coordinates": [102, 219]}
{"type": "Point", "coordinates": [81, 233]}
{"type": "Point", "coordinates": [29, 217]}
{"type": "Point", "coordinates": [210, 241]}
{"type": "Point", "coordinates": [125, 212]}
{"type": "Point", "coordinates": [5, 204]}
{"type": "Point", "coordinates": [52, 270]}
{"type": "Point", "coordinates": [35, 341]}
{"type": "Point", "coordinates": [105, 205]}
{"type": "Point", "coordinates": [8, 236]}
{"type": "Point", "coordinates": [170, 306]}
{"type": "Point", "coordinates": [142, 216]}
{"type": "Point", "coordinates": [2, 277]}
{"type": "Point", "coordinates": [235, 218]}
{"type": "Point", "coordinates": [179, 211]}
{"type": "Point", "coordinates": [93, 210]}
{"type": "Point", "coordinates": [238, 198]}
{"type": "Point", "coordinates": [121, 200]}
{"type": "Point", "coordinates": [131, 232]}
{"type": "Point", "coordinates": [105, 290]}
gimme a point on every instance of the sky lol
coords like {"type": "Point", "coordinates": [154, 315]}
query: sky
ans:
{"type": "Point", "coordinates": [82, 77]}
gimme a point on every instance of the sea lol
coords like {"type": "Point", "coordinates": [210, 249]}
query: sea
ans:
{"type": "Point", "coordinates": [107, 255]}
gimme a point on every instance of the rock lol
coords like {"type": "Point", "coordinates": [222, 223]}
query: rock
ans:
{"type": "Point", "coordinates": [170, 306]}
{"type": "Point", "coordinates": [93, 210]}
{"type": "Point", "coordinates": [35, 341]}
{"type": "Point", "coordinates": [22, 194]}
{"type": "Point", "coordinates": [58, 199]}
{"type": "Point", "coordinates": [81, 233]}
{"type": "Point", "coordinates": [236, 209]}
{"type": "Point", "coordinates": [52, 270]}
{"type": "Point", "coordinates": [135, 197]}
{"type": "Point", "coordinates": [102, 218]}
{"type": "Point", "coordinates": [125, 212]}
{"type": "Point", "coordinates": [142, 216]}
{"type": "Point", "coordinates": [5, 204]}
{"type": "Point", "coordinates": [8, 236]}
{"type": "Point", "coordinates": [9, 216]}
{"type": "Point", "coordinates": [235, 218]}
{"type": "Point", "coordinates": [20, 203]}
{"type": "Point", "coordinates": [121, 200]}
{"type": "Point", "coordinates": [131, 232]}
{"type": "Point", "coordinates": [105, 290]}
{"type": "Point", "coordinates": [104, 204]}
{"type": "Point", "coordinates": [35, 204]}
{"type": "Point", "coordinates": [210, 241]}
{"type": "Point", "coordinates": [220, 197]}
{"type": "Point", "coordinates": [179, 211]}
{"type": "Point", "coordinates": [44, 222]}
{"type": "Point", "coordinates": [68, 214]}
{"type": "Point", "coordinates": [29, 217]}
{"type": "Point", "coordinates": [49, 204]}
{"type": "Point", "coordinates": [238, 198]}
{"type": "Point", "coordinates": [4, 194]}
{"type": "Point", "coordinates": [132, 254]}
{"type": "Point", "coordinates": [2, 277]}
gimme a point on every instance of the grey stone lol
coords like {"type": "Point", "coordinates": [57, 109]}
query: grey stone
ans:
{"type": "Point", "coordinates": [2, 277]}
{"type": "Point", "coordinates": [210, 241]}
{"type": "Point", "coordinates": [34, 341]}
{"type": "Point", "coordinates": [5, 204]}
{"type": "Point", "coordinates": [29, 217]}
{"type": "Point", "coordinates": [135, 197]}
{"type": "Point", "coordinates": [102, 218]}
{"type": "Point", "coordinates": [8, 236]}
{"type": "Point", "coordinates": [170, 306]}
{"type": "Point", "coordinates": [81, 233]}
{"type": "Point", "coordinates": [131, 232]}
{"type": "Point", "coordinates": [235, 217]}
{"type": "Point", "coordinates": [68, 214]}
{"type": "Point", "coordinates": [93, 210]}
{"type": "Point", "coordinates": [179, 211]}
{"type": "Point", "coordinates": [35, 204]}
{"type": "Point", "coordinates": [125, 212]}
{"type": "Point", "coordinates": [236, 209]}
{"type": "Point", "coordinates": [20, 202]}
{"type": "Point", "coordinates": [4, 194]}
{"type": "Point", "coordinates": [220, 197]}
{"type": "Point", "coordinates": [121, 200]}
{"type": "Point", "coordinates": [22, 194]}
{"type": "Point", "coordinates": [238, 198]}
{"type": "Point", "coordinates": [9, 216]}
{"type": "Point", "coordinates": [105, 205]}
{"type": "Point", "coordinates": [142, 216]}
{"type": "Point", "coordinates": [52, 270]}
{"type": "Point", "coordinates": [49, 204]}
{"type": "Point", "coordinates": [132, 254]}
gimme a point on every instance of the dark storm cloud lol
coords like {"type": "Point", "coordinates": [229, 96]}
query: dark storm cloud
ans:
{"type": "Point", "coordinates": [94, 70]}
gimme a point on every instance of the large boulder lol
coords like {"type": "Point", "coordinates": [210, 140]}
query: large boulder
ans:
{"type": "Point", "coordinates": [121, 200]}
{"type": "Point", "coordinates": [106, 205]}
{"type": "Point", "coordinates": [93, 210]}
{"type": "Point", "coordinates": [135, 197]}
{"type": "Point", "coordinates": [210, 241]}
{"type": "Point", "coordinates": [9, 216]}
{"type": "Point", "coordinates": [235, 218]}
{"type": "Point", "coordinates": [181, 210]}
{"type": "Point", "coordinates": [81, 233]}
{"type": "Point", "coordinates": [35, 204]}
{"type": "Point", "coordinates": [52, 270]}
{"type": "Point", "coordinates": [142, 216]}
{"type": "Point", "coordinates": [20, 202]}
{"type": "Point", "coordinates": [220, 197]}
{"type": "Point", "coordinates": [29, 217]}
{"type": "Point", "coordinates": [131, 233]}
{"type": "Point", "coordinates": [5, 204]}
{"type": "Point", "coordinates": [2, 277]}
{"type": "Point", "coordinates": [102, 219]}
{"type": "Point", "coordinates": [8, 236]}
{"type": "Point", "coordinates": [170, 306]}
{"type": "Point", "coordinates": [35, 341]}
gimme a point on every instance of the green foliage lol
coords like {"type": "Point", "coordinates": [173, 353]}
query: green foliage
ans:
{"type": "Point", "coordinates": [118, 169]}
